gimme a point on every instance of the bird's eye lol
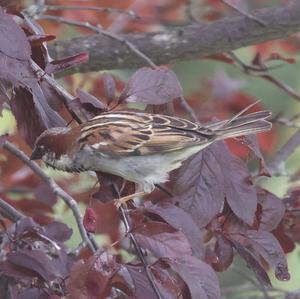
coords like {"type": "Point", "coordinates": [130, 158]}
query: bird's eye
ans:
{"type": "Point", "coordinates": [37, 153]}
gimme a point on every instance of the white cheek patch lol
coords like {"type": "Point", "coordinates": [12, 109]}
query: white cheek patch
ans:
{"type": "Point", "coordinates": [63, 163]}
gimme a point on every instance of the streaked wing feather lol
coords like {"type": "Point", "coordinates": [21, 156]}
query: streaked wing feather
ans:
{"type": "Point", "coordinates": [132, 133]}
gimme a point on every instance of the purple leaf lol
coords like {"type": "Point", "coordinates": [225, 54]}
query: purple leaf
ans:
{"type": "Point", "coordinates": [15, 271]}
{"type": "Point", "coordinates": [13, 40]}
{"type": "Point", "coordinates": [267, 246]}
{"type": "Point", "coordinates": [31, 293]}
{"type": "Point", "coordinates": [39, 262]}
{"type": "Point", "coordinates": [253, 263]}
{"type": "Point", "coordinates": [16, 72]}
{"type": "Point", "coordinates": [273, 210]}
{"type": "Point", "coordinates": [200, 278]}
{"type": "Point", "coordinates": [25, 225]}
{"type": "Point", "coordinates": [86, 105]}
{"type": "Point", "coordinates": [180, 220]}
{"type": "Point", "coordinates": [87, 100]}
{"type": "Point", "coordinates": [162, 240]}
{"type": "Point", "coordinates": [58, 231]}
{"type": "Point", "coordinates": [33, 114]}
{"type": "Point", "coordinates": [109, 87]}
{"type": "Point", "coordinates": [199, 186]}
{"type": "Point", "coordinates": [152, 86]}
{"type": "Point", "coordinates": [169, 285]}
{"type": "Point", "coordinates": [143, 288]}
{"type": "Point", "coordinates": [66, 63]}
{"type": "Point", "coordinates": [239, 191]}
{"type": "Point", "coordinates": [45, 194]}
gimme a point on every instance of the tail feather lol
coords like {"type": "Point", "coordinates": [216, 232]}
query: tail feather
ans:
{"type": "Point", "coordinates": [242, 125]}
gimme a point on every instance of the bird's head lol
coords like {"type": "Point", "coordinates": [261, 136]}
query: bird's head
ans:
{"type": "Point", "coordinates": [51, 144]}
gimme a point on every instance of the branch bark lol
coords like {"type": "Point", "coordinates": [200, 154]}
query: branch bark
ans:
{"type": "Point", "coordinates": [183, 43]}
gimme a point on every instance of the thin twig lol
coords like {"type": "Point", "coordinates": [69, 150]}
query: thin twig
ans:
{"type": "Point", "coordinates": [242, 12]}
{"type": "Point", "coordinates": [284, 153]}
{"type": "Point", "coordinates": [288, 122]}
{"type": "Point", "coordinates": [57, 190]}
{"type": "Point", "coordinates": [189, 11]}
{"type": "Point", "coordinates": [255, 71]}
{"type": "Point", "coordinates": [9, 212]}
{"type": "Point", "coordinates": [139, 251]}
{"type": "Point", "coordinates": [288, 89]}
{"type": "Point", "coordinates": [188, 109]}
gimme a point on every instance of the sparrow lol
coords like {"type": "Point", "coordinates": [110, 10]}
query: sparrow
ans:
{"type": "Point", "coordinates": [140, 147]}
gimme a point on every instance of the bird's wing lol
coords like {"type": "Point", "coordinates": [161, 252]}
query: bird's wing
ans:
{"type": "Point", "coordinates": [133, 133]}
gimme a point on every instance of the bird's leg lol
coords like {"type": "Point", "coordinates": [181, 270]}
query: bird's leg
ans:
{"type": "Point", "coordinates": [119, 201]}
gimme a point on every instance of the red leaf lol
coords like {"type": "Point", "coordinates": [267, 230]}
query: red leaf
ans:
{"type": "Point", "coordinates": [107, 219]}
{"type": "Point", "coordinates": [152, 86]}
{"type": "Point", "coordinates": [278, 56]}
{"type": "Point", "coordinates": [267, 246]}
{"type": "Point", "coordinates": [180, 220]}
{"type": "Point", "coordinates": [162, 240]}
{"type": "Point", "coordinates": [199, 277]}
{"type": "Point", "coordinates": [285, 241]}
{"type": "Point", "coordinates": [89, 220]}
{"type": "Point", "coordinates": [66, 63]}
{"type": "Point", "coordinates": [38, 40]}
{"type": "Point", "coordinates": [224, 254]}
{"type": "Point", "coordinates": [91, 279]}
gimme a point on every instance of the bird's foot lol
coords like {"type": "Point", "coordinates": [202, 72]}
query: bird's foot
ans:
{"type": "Point", "coordinates": [120, 201]}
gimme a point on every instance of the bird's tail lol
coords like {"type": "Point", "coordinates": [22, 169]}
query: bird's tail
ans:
{"type": "Point", "coordinates": [242, 125]}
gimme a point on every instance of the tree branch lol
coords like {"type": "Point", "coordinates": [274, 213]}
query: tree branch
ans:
{"type": "Point", "coordinates": [57, 190]}
{"type": "Point", "coordinates": [185, 42]}
{"type": "Point", "coordinates": [9, 211]}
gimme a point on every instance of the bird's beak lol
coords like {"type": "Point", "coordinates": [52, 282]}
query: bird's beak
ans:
{"type": "Point", "coordinates": [36, 154]}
